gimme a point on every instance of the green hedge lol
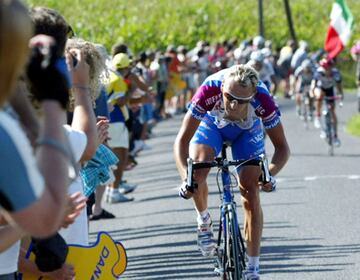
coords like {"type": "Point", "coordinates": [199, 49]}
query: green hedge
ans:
{"type": "Point", "coordinates": [145, 24]}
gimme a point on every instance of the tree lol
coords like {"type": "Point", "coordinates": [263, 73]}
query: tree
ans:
{"type": "Point", "coordinates": [261, 18]}
{"type": "Point", "coordinates": [290, 21]}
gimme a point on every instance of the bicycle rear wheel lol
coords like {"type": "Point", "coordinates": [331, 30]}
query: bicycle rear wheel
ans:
{"type": "Point", "coordinates": [330, 134]}
{"type": "Point", "coordinates": [234, 250]}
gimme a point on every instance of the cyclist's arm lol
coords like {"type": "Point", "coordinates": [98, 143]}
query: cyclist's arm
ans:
{"type": "Point", "coordinates": [338, 82]}
{"type": "Point", "coordinates": [282, 150]}
{"type": "Point", "coordinates": [312, 88]}
{"type": "Point", "coordinates": [181, 145]}
{"type": "Point", "coordinates": [340, 89]}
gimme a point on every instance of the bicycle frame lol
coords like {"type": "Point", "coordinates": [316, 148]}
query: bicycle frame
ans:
{"type": "Point", "coordinates": [329, 126]}
{"type": "Point", "coordinates": [228, 226]}
{"type": "Point", "coordinates": [306, 106]}
{"type": "Point", "coordinates": [230, 259]}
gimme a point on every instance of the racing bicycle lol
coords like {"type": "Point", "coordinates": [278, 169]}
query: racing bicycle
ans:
{"type": "Point", "coordinates": [230, 254]}
{"type": "Point", "coordinates": [306, 108]}
{"type": "Point", "coordinates": [329, 125]}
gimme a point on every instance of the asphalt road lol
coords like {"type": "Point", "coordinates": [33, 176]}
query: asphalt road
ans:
{"type": "Point", "coordinates": [311, 229]}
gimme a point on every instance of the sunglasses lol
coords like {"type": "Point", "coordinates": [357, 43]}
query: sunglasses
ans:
{"type": "Point", "coordinates": [239, 100]}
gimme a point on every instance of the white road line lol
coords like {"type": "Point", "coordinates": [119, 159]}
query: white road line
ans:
{"type": "Point", "coordinates": [314, 178]}
{"type": "Point", "coordinates": [310, 178]}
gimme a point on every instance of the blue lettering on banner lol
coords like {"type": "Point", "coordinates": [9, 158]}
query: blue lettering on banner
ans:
{"type": "Point", "coordinates": [104, 254]}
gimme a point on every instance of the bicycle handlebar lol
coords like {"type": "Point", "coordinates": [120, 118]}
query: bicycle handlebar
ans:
{"type": "Point", "coordinates": [224, 163]}
{"type": "Point", "coordinates": [336, 97]}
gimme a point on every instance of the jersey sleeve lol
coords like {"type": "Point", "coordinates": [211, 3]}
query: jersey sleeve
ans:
{"type": "Point", "coordinates": [266, 108]}
{"type": "Point", "coordinates": [205, 98]}
{"type": "Point", "coordinates": [337, 76]}
{"type": "Point", "coordinates": [298, 72]}
{"type": "Point", "coordinates": [21, 183]}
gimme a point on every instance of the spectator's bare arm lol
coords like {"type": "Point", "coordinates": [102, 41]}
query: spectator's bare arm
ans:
{"type": "Point", "coordinates": [21, 104]}
{"type": "Point", "coordinates": [84, 118]}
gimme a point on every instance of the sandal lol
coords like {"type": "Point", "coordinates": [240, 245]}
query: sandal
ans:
{"type": "Point", "coordinates": [103, 215]}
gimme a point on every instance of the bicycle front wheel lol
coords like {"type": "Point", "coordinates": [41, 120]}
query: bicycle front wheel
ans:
{"type": "Point", "coordinates": [234, 254]}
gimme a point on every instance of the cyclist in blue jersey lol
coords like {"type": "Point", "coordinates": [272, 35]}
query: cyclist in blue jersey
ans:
{"type": "Point", "coordinates": [231, 106]}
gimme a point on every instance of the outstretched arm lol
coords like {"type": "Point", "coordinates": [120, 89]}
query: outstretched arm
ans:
{"type": "Point", "coordinates": [282, 150]}
{"type": "Point", "coordinates": [181, 145]}
{"type": "Point", "coordinates": [84, 117]}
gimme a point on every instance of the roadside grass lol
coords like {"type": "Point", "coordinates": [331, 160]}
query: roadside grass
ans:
{"type": "Point", "coordinates": [351, 90]}
{"type": "Point", "coordinates": [353, 126]}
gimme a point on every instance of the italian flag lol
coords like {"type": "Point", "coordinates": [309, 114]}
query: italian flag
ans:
{"type": "Point", "coordinates": [339, 32]}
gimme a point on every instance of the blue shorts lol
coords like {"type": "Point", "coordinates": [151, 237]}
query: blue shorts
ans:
{"type": "Point", "coordinates": [245, 143]}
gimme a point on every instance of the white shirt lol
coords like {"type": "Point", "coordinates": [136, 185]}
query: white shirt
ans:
{"type": "Point", "coordinates": [78, 232]}
{"type": "Point", "coordinates": [9, 259]}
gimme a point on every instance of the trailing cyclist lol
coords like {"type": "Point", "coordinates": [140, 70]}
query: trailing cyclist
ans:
{"type": "Point", "coordinates": [303, 75]}
{"type": "Point", "coordinates": [326, 79]}
{"type": "Point", "coordinates": [229, 107]}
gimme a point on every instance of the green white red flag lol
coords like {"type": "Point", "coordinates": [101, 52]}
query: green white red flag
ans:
{"type": "Point", "coordinates": [339, 31]}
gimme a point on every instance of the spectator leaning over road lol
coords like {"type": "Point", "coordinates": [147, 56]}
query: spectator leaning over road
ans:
{"type": "Point", "coordinates": [82, 132]}
{"type": "Point", "coordinates": [117, 91]}
{"type": "Point", "coordinates": [82, 101]}
{"type": "Point", "coordinates": [32, 192]}
{"type": "Point", "coordinates": [95, 210]}
{"type": "Point", "coordinates": [30, 188]}
{"type": "Point", "coordinates": [229, 107]}
{"type": "Point", "coordinates": [134, 83]}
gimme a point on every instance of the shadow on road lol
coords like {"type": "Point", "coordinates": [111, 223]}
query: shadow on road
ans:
{"type": "Point", "coordinates": [326, 258]}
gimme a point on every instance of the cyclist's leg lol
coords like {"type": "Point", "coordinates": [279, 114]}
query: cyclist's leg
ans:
{"type": "Point", "coordinates": [319, 95]}
{"type": "Point", "coordinates": [205, 144]}
{"type": "Point", "coordinates": [331, 93]}
{"type": "Point", "coordinates": [249, 145]}
{"type": "Point", "coordinates": [298, 97]}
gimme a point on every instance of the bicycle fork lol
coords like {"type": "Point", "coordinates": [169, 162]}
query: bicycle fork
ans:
{"type": "Point", "coordinates": [225, 209]}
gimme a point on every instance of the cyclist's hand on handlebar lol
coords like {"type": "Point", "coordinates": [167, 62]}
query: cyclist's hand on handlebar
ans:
{"type": "Point", "coordinates": [186, 191]}
{"type": "Point", "coordinates": [269, 186]}
{"type": "Point", "coordinates": [341, 103]}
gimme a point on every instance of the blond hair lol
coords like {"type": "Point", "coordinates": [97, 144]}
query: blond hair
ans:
{"type": "Point", "coordinates": [15, 33]}
{"type": "Point", "coordinates": [244, 75]}
{"type": "Point", "coordinates": [96, 63]}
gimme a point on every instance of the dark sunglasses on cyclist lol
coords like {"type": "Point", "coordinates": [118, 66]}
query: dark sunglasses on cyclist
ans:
{"type": "Point", "coordinates": [239, 100]}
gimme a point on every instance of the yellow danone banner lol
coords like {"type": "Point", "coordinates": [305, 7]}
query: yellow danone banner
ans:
{"type": "Point", "coordinates": [105, 260]}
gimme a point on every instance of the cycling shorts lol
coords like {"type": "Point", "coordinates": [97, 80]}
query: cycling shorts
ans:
{"type": "Point", "coordinates": [245, 143]}
{"type": "Point", "coordinates": [329, 92]}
